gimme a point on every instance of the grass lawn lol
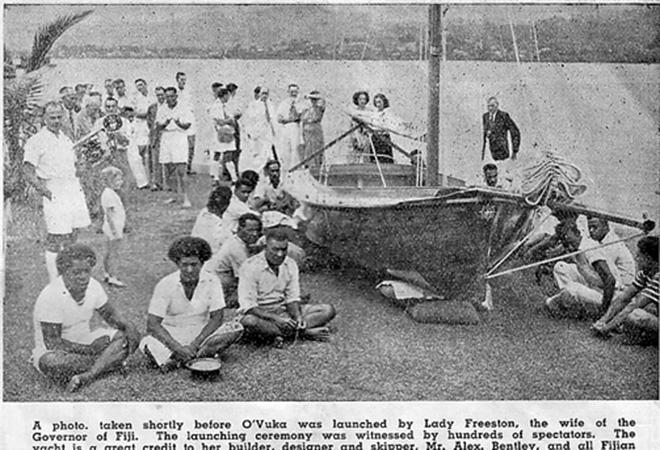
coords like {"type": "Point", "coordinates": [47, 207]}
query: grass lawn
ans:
{"type": "Point", "coordinates": [377, 353]}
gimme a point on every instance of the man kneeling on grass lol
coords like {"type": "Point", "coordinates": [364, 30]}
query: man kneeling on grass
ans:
{"type": "Point", "coordinates": [269, 296]}
{"type": "Point", "coordinates": [185, 312]}
{"type": "Point", "coordinates": [66, 349]}
{"type": "Point", "coordinates": [636, 308]}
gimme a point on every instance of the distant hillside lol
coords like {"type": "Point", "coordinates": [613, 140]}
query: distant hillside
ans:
{"type": "Point", "coordinates": [567, 33]}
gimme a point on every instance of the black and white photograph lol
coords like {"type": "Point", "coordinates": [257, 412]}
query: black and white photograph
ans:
{"type": "Point", "coordinates": [322, 202]}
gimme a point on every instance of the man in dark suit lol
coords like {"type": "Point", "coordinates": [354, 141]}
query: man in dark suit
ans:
{"type": "Point", "coordinates": [496, 125]}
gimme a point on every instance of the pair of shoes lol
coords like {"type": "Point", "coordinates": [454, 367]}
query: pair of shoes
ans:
{"type": "Point", "coordinates": [186, 204]}
{"type": "Point", "coordinates": [112, 281]}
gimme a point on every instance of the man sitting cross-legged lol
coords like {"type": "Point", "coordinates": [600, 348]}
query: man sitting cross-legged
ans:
{"type": "Point", "coordinates": [636, 308]}
{"type": "Point", "coordinates": [186, 309]}
{"type": "Point", "coordinates": [66, 349]}
{"type": "Point", "coordinates": [269, 296]}
{"type": "Point", "coordinates": [226, 263]}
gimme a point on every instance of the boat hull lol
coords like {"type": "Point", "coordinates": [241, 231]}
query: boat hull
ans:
{"type": "Point", "coordinates": [450, 239]}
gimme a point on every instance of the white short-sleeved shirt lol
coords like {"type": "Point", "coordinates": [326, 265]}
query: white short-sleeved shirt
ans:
{"type": "Point", "coordinates": [169, 301]}
{"type": "Point", "coordinates": [208, 226]}
{"type": "Point", "coordinates": [110, 199]}
{"type": "Point", "coordinates": [258, 285]}
{"type": "Point", "coordinates": [55, 305]}
{"type": "Point", "coordinates": [174, 140]}
{"type": "Point", "coordinates": [141, 104]}
{"type": "Point", "coordinates": [233, 253]}
{"type": "Point", "coordinates": [231, 215]}
{"type": "Point", "coordinates": [592, 254]}
{"type": "Point", "coordinates": [52, 155]}
{"type": "Point", "coordinates": [619, 259]}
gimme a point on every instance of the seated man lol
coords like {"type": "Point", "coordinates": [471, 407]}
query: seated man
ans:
{"type": "Point", "coordinates": [269, 194]}
{"type": "Point", "coordinates": [637, 306]}
{"type": "Point", "coordinates": [66, 348]}
{"type": "Point", "coordinates": [269, 296]}
{"type": "Point", "coordinates": [622, 259]}
{"type": "Point", "coordinates": [587, 284]}
{"type": "Point", "coordinates": [238, 204]}
{"type": "Point", "coordinates": [186, 309]}
{"type": "Point", "coordinates": [233, 253]}
{"type": "Point", "coordinates": [208, 224]}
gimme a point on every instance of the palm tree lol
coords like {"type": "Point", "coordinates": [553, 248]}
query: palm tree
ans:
{"type": "Point", "coordinates": [22, 97]}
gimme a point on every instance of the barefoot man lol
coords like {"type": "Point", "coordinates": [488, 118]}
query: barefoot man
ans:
{"type": "Point", "coordinates": [269, 296]}
{"type": "Point", "coordinates": [65, 347]}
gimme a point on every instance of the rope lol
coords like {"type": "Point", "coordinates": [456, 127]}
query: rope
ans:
{"type": "Point", "coordinates": [560, 257]}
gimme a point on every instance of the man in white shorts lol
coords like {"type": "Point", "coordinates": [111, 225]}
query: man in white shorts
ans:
{"type": "Point", "coordinates": [186, 101]}
{"type": "Point", "coordinates": [50, 167]}
{"type": "Point", "coordinates": [173, 120]}
{"type": "Point", "coordinates": [186, 310]}
{"type": "Point", "coordinates": [66, 349]}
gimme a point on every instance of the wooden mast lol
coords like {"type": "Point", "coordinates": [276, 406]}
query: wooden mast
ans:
{"type": "Point", "coordinates": [433, 132]}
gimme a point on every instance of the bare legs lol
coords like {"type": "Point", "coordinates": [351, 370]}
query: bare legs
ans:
{"type": "Point", "coordinates": [316, 317]}
{"type": "Point", "coordinates": [79, 369]}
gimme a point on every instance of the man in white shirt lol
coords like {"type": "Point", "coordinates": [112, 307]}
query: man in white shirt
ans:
{"type": "Point", "coordinates": [66, 348]}
{"type": "Point", "coordinates": [141, 103]}
{"type": "Point", "coordinates": [173, 121]}
{"type": "Point", "coordinates": [120, 94]}
{"type": "Point", "coordinates": [258, 126]}
{"type": "Point", "coordinates": [185, 318]}
{"type": "Point", "coordinates": [185, 99]}
{"type": "Point", "coordinates": [226, 263]}
{"type": "Point", "coordinates": [51, 168]}
{"type": "Point", "coordinates": [288, 116]}
{"type": "Point", "coordinates": [622, 259]}
{"type": "Point", "coordinates": [586, 284]}
{"type": "Point", "coordinates": [224, 125]}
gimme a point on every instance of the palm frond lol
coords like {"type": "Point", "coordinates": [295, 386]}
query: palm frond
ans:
{"type": "Point", "coordinates": [47, 35]}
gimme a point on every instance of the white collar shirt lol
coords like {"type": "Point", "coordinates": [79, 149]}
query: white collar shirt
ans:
{"type": "Point", "coordinates": [260, 286]}
{"type": "Point", "coordinates": [51, 154]}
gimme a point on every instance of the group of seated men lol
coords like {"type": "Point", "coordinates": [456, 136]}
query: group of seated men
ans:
{"type": "Point", "coordinates": [602, 280]}
{"type": "Point", "coordinates": [185, 315]}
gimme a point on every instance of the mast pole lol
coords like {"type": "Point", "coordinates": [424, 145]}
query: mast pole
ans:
{"type": "Point", "coordinates": [433, 133]}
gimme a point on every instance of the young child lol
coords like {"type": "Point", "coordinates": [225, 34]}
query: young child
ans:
{"type": "Point", "coordinates": [114, 219]}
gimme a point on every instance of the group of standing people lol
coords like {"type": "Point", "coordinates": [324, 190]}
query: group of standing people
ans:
{"type": "Point", "coordinates": [289, 132]}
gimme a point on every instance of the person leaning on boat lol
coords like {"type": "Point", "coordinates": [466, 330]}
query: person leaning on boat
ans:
{"type": "Point", "coordinates": [586, 284]}
{"type": "Point", "coordinates": [497, 125]}
{"type": "Point", "coordinates": [359, 140]}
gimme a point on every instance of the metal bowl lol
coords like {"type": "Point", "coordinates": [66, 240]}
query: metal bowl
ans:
{"type": "Point", "coordinates": [206, 368]}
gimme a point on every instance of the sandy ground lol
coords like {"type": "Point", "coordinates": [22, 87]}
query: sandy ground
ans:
{"type": "Point", "coordinates": [377, 353]}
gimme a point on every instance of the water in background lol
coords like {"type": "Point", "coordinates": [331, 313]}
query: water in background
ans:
{"type": "Point", "coordinates": [603, 117]}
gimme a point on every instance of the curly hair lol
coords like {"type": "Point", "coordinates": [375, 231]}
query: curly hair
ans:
{"type": "Point", "coordinates": [386, 102]}
{"type": "Point", "coordinates": [189, 246]}
{"type": "Point", "coordinates": [74, 252]}
{"type": "Point", "coordinates": [356, 96]}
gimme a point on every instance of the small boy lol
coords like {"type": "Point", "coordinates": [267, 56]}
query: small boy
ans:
{"type": "Point", "coordinates": [114, 220]}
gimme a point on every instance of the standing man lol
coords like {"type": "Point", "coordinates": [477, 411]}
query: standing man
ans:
{"type": "Point", "coordinates": [50, 167]}
{"type": "Point", "coordinates": [109, 86]}
{"type": "Point", "coordinates": [225, 130]}
{"type": "Point", "coordinates": [173, 120]}
{"type": "Point", "coordinates": [185, 99]}
{"type": "Point", "coordinates": [155, 168]}
{"type": "Point", "coordinates": [269, 296]}
{"type": "Point", "coordinates": [259, 132]}
{"type": "Point", "coordinates": [497, 126]}
{"type": "Point", "coordinates": [68, 98]}
{"type": "Point", "coordinates": [236, 113]}
{"type": "Point", "coordinates": [122, 98]}
{"type": "Point", "coordinates": [288, 115]}
{"type": "Point", "coordinates": [141, 103]}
